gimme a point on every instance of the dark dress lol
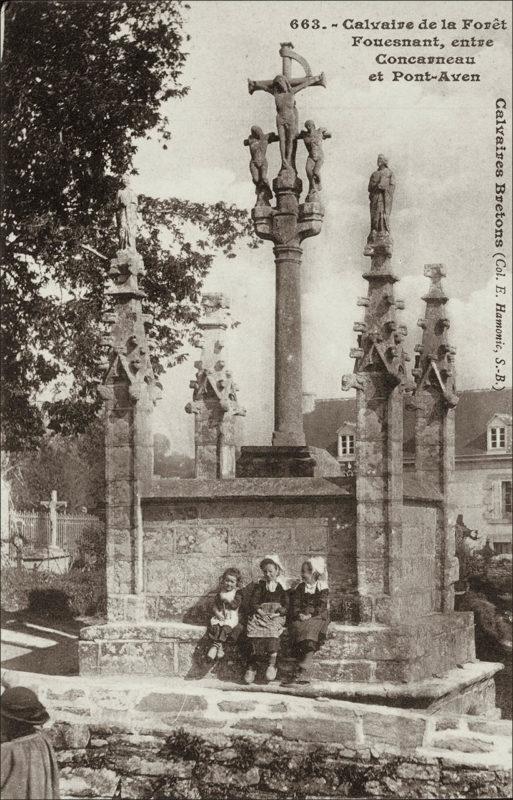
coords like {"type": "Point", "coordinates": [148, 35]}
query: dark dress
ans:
{"type": "Point", "coordinates": [225, 633]}
{"type": "Point", "coordinates": [316, 604]}
{"type": "Point", "coordinates": [29, 769]}
{"type": "Point", "coordinates": [267, 644]}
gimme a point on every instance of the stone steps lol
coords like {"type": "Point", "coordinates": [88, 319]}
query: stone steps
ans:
{"type": "Point", "coordinates": [364, 653]}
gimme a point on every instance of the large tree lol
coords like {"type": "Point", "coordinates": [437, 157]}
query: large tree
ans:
{"type": "Point", "coordinates": [82, 83]}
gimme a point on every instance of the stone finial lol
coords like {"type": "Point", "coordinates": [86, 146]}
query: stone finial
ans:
{"type": "Point", "coordinates": [434, 362]}
{"type": "Point", "coordinates": [435, 271]}
{"type": "Point", "coordinates": [214, 400]}
{"type": "Point", "coordinates": [215, 311]}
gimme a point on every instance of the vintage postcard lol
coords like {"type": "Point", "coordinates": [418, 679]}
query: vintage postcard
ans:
{"type": "Point", "coordinates": [256, 399]}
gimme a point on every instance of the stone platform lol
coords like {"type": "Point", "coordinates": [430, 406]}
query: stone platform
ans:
{"type": "Point", "coordinates": [355, 662]}
{"type": "Point", "coordinates": [134, 735]}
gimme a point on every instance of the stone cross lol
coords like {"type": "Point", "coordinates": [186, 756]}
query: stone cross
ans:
{"type": "Point", "coordinates": [286, 226]}
{"type": "Point", "coordinates": [53, 505]}
{"type": "Point", "coordinates": [283, 87]}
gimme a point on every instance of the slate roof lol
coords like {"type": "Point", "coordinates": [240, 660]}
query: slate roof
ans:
{"type": "Point", "coordinates": [474, 410]}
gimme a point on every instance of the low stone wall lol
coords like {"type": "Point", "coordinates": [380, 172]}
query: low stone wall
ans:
{"type": "Point", "coordinates": [153, 740]}
{"type": "Point", "coordinates": [189, 765]}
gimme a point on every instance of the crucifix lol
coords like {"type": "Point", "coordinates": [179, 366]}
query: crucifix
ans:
{"type": "Point", "coordinates": [283, 88]}
{"type": "Point", "coordinates": [286, 226]}
{"type": "Point", "coordinates": [53, 505]}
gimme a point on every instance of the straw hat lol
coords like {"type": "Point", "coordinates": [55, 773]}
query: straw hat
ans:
{"type": "Point", "coordinates": [21, 705]}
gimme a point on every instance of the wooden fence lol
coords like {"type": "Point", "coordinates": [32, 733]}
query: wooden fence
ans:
{"type": "Point", "coordinates": [35, 529]}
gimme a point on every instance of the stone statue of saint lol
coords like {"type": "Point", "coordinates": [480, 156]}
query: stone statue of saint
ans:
{"type": "Point", "coordinates": [286, 112]}
{"type": "Point", "coordinates": [381, 194]}
{"type": "Point", "coordinates": [257, 143]}
{"type": "Point", "coordinates": [126, 215]}
{"type": "Point", "coordinates": [313, 138]}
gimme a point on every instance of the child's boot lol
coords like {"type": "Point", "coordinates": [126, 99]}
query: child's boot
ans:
{"type": "Point", "coordinates": [212, 653]}
{"type": "Point", "coordinates": [305, 665]}
{"type": "Point", "coordinates": [271, 670]}
{"type": "Point", "coordinates": [250, 675]}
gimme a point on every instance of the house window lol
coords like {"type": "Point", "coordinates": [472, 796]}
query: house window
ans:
{"type": "Point", "coordinates": [505, 498]}
{"type": "Point", "coordinates": [497, 438]}
{"type": "Point", "coordinates": [502, 547]}
{"type": "Point", "coordinates": [345, 445]}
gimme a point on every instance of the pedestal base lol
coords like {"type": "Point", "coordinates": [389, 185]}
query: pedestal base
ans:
{"type": "Point", "coordinates": [50, 559]}
{"type": "Point", "coordinates": [286, 462]}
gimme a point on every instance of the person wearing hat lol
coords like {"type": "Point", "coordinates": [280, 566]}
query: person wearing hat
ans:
{"type": "Point", "coordinates": [308, 616]}
{"type": "Point", "coordinates": [267, 612]}
{"type": "Point", "coordinates": [28, 764]}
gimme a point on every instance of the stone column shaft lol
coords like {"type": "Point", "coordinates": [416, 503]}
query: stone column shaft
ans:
{"type": "Point", "coordinates": [288, 389]}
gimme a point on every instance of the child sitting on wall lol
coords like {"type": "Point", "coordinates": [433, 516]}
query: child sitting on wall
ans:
{"type": "Point", "coordinates": [267, 614]}
{"type": "Point", "coordinates": [224, 623]}
{"type": "Point", "coordinates": [308, 616]}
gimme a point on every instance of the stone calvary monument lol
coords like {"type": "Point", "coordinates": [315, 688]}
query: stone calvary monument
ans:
{"type": "Point", "coordinates": [388, 538]}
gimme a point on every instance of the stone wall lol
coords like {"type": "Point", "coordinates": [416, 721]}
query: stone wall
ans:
{"type": "Point", "coordinates": [152, 740]}
{"type": "Point", "coordinates": [419, 563]}
{"type": "Point", "coordinates": [192, 537]}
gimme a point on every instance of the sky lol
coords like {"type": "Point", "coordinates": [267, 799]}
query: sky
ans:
{"type": "Point", "coordinates": [440, 142]}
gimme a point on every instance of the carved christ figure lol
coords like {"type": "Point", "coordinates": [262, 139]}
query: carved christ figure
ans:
{"type": "Point", "coordinates": [313, 138]}
{"type": "Point", "coordinates": [283, 90]}
{"type": "Point", "coordinates": [126, 215]}
{"type": "Point", "coordinates": [381, 193]}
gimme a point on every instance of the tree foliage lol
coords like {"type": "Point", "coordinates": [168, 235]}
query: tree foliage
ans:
{"type": "Point", "coordinates": [168, 464]}
{"type": "Point", "coordinates": [73, 465]}
{"type": "Point", "coordinates": [82, 83]}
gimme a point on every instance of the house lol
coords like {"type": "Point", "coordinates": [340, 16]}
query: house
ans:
{"type": "Point", "coordinates": [482, 479]}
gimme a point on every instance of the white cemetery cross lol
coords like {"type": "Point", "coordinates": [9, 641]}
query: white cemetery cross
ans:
{"type": "Point", "coordinates": [53, 505]}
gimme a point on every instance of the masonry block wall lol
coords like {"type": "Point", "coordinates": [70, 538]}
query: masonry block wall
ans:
{"type": "Point", "coordinates": [419, 561]}
{"type": "Point", "coordinates": [190, 541]}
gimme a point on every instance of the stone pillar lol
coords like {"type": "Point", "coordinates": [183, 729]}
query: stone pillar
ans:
{"type": "Point", "coordinates": [286, 225]}
{"type": "Point", "coordinates": [434, 402]}
{"type": "Point", "coordinates": [379, 377]}
{"type": "Point", "coordinates": [217, 432]}
{"type": "Point", "coordinates": [129, 391]}
{"type": "Point", "coordinates": [288, 388]}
